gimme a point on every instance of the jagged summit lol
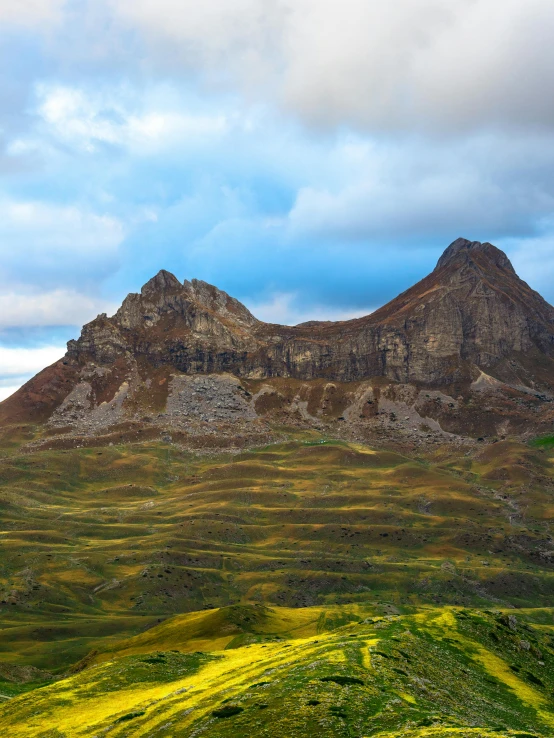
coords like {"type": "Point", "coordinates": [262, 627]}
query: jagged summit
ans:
{"type": "Point", "coordinates": [461, 251]}
{"type": "Point", "coordinates": [217, 301]}
{"type": "Point", "coordinates": [163, 281]}
{"type": "Point", "coordinates": [472, 316]}
{"type": "Point", "coordinates": [165, 301]}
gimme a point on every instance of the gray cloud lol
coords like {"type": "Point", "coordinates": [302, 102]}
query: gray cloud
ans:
{"type": "Point", "coordinates": [31, 12]}
{"type": "Point", "coordinates": [485, 185]}
{"type": "Point", "coordinates": [411, 64]}
{"type": "Point", "coordinates": [421, 65]}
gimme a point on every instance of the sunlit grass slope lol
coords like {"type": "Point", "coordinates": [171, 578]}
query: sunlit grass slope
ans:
{"type": "Point", "coordinates": [101, 543]}
{"type": "Point", "coordinates": [435, 672]}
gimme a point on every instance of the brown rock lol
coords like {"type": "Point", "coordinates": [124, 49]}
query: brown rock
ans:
{"type": "Point", "coordinates": [472, 320]}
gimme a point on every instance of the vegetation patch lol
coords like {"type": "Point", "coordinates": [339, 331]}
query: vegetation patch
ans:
{"type": "Point", "coordinates": [543, 442]}
{"type": "Point", "coordinates": [342, 680]}
{"type": "Point", "coordinates": [227, 711]}
{"type": "Point", "coordinates": [147, 576]}
{"type": "Point", "coordinates": [460, 681]}
{"type": "Point", "coordinates": [130, 716]}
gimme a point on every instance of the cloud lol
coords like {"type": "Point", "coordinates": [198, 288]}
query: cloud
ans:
{"type": "Point", "coordinates": [236, 42]}
{"type": "Point", "coordinates": [48, 241]}
{"type": "Point", "coordinates": [59, 227]}
{"type": "Point", "coordinates": [60, 307]}
{"type": "Point", "coordinates": [411, 64]}
{"type": "Point", "coordinates": [87, 119]}
{"type": "Point", "coordinates": [15, 362]}
{"type": "Point", "coordinates": [284, 308]}
{"type": "Point", "coordinates": [408, 65]}
{"type": "Point", "coordinates": [31, 12]}
{"type": "Point", "coordinates": [486, 186]}
{"type": "Point", "coordinates": [422, 65]}
{"type": "Point", "coordinates": [17, 365]}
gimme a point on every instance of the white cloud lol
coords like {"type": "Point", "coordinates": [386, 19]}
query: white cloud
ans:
{"type": "Point", "coordinates": [56, 308]}
{"type": "Point", "coordinates": [281, 309]}
{"type": "Point", "coordinates": [17, 365]}
{"type": "Point", "coordinates": [85, 119]}
{"type": "Point", "coordinates": [24, 362]}
{"type": "Point", "coordinates": [30, 12]}
{"type": "Point", "coordinates": [61, 227]}
{"type": "Point", "coordinates": [40, 238]}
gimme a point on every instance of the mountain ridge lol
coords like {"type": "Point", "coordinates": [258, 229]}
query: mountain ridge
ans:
{"type": "Point", "coordinates": [472, 316]}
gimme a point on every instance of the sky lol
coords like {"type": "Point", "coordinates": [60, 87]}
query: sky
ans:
{"type": "Point", "coordinates": [313, 158]}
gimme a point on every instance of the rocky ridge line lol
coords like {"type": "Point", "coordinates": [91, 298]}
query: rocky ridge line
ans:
{"type": "Point", "coordinates": [471, 330]}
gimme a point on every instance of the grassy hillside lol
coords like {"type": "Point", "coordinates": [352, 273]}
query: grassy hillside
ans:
{"type": "Point", "coordinates": [104, 543]}
{"type": "Point", "coordinates": [434, 672]}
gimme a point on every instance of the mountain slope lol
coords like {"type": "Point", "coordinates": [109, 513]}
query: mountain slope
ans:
{"type": "Point", "coordinates": [100, 543]}
{"type": "Point", "coordinates": [431, 674]}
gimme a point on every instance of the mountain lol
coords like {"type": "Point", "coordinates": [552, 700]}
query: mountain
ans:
{"type": "Point", "coordinates": [181, 354]}
{"type": "Point", "coordinates": [373, 557]}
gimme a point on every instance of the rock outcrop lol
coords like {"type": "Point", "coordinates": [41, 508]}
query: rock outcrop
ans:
{"type": "Point", "coordinates": [471, 317]}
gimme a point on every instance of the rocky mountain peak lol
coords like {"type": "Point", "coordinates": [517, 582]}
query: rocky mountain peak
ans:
{"type": "Point", "coordinates": [462, 252]}
{"type": "Point", "coordinates": [471, 316]}
{"type": "Point", "coordinates": [163, 282]}
{"type": "Point", "coordinates": [217, 301]}
{"type": "Point", "coordinates": [164, 295]}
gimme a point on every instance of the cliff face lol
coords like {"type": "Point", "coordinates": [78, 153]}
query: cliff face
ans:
{"type": "Point", "coordinates": [472, 310]}
{"type": "Point", "coordinates": [471, 316]}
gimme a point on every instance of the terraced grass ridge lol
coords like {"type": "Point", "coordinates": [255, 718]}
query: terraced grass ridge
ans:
{"type": "Point", "coordinates": [435, 672]}
{"type": "Point", "coordinates": [310, 587]}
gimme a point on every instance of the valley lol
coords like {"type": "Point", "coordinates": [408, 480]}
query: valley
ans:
{"type": "Point", "coordinates": [125, 535]}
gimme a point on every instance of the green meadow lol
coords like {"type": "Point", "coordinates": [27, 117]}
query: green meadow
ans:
{"type": "Point", "coordinates": [311, 586]}
{"type": "Point", "coordinates": [434, 672]}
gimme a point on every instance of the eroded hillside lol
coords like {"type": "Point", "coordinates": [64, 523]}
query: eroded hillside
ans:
{"type": "Point", "coordinates": [103, 542]}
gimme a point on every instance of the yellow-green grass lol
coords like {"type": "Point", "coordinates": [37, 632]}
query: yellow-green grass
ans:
{"type": "Point", "coordinates": [232, 627]}
{"type": "Point", "coordinates": [100, 543]}
{"type": "Point", "coordinates": [438, 672]}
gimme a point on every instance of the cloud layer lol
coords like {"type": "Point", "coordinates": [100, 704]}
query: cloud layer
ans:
{"type": "Point", "coordinates": [380, 66]}
{"type": "Point", "coordinates": [311, 157]}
